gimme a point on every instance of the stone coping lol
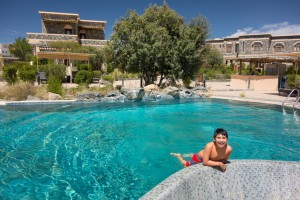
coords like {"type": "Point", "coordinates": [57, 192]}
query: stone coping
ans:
{"type": "Point", "coordinates": [43, 102]}
{"type": "Point", "coordinates": [39, 102]}
{"type": "Point", "coordinates": [244, 179]}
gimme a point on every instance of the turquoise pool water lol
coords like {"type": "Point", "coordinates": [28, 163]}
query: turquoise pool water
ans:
{"type": "Point", "coordinates": [120, 151]}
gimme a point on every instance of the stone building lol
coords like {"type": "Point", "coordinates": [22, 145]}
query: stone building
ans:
{"type": "Point", "coordinates": [263, 54]}
{"type": "Point", "coordinates": [67, 27]}
{"type": "Point", "coordinates": [257, 48]}
{"type": "Point", "coordinates": [5, 56]}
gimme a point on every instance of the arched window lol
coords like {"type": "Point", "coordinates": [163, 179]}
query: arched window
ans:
{"type": "Point", "coordinates": [297, 46]}
{"type": "Point", "coordinates": [68, 29]}
{"type": "Point", "coordinates": [278, 47]}
{"type": "Point", "coordinates": [257, 46]}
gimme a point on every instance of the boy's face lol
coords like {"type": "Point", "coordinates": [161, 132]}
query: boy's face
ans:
{"type": "Point", "coordinates": [220, 140]}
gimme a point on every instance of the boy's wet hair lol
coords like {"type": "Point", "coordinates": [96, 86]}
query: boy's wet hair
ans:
{"type": "Point", "coordinates": [221, 131]}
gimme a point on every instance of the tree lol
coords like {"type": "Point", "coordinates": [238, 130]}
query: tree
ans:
{"type": "Point", "coordinates": [21, 48]}
{"type": "Point", "coordinates": [159, 42]}
{"type": "Point", "coordinates": [97, 60]}
{"type": "Point", "coordinates": [214, 57]}
{"type": "Point", "coordinates": [27, 73]}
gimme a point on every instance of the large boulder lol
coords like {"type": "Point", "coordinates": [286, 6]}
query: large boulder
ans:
{"type": "Point", "coordinates": [172, 91]}
{"type": "Point", "coordinates": [152, 95]}
{"type": "Point", "coordinates": [113, 98]}
{"type": "Point", "coordinates": [53, 96]}
{"type": "Point", "coordinates": [135, 94]}
{"type": "Point", "coordinates": [150, 88]}
{"type": "Point", "coordinates": [186, 93]}
{"type": "Point", "coordinates": [89, 96]}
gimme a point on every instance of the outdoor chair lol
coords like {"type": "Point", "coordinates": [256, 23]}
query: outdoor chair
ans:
{"type": "Point", "coordinates": [42, 77]}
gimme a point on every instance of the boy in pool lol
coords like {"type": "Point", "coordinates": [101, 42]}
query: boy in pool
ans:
{"type": "Point", "coordinates": [215, 154]}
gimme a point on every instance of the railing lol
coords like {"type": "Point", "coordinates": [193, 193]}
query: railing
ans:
{"type": "Point", "coordinates": [297, 98]}
{"type": "Point", "coordinates": [47, 36]}
{"type": "Point", "coordinates": [93, 42]}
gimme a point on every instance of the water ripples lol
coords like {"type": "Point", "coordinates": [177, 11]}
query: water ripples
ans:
{"type": "Point", "coordinates": [122, 151]}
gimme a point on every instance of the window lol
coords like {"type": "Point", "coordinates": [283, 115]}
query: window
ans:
{"type": "Point", "coordinates": [82, 36]}
{"type": "Point", "coordinates": [297, 46]}
{"type": "Point", "coordinates": [68, 29]}
{"type": "Point", "coordinates": [257, 46]}
{"type": "Point", "coordinates": [278, 47]}
{"type": "Point", "coordinates": [237, 48]}
{"type": "Point", "coordinates": [243, 46]}
{"type": "Point", "coordinates": [228, 48]}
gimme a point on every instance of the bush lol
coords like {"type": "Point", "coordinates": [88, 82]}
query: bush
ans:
{"type": "Point", "coordinates": [86, 67]}
{"type": "Point", "coordinates": [221, 72]}
{"type": "Point", "coordinates": [53, 70]}
{"type": "Point", "coordinates": [108, 77]}
{"type": "Point", "coordinates": [41, 91]}
{"type": "Point", "coordinates": [297, 81]}
{"type": "Point", "coordinates": [83, 76]}
{"type": "Point", "coordinates": [97, 74]}
{"type": "Point", "coordinates": [54, 85]}
{"type": "Point", "coordinates": [28, 73]}
{"type": "Point", "coordinates": [10, 74]}
{"type": "Point", "coordinates": [19, 64]}
{"type": "Point", "coordinates": [293, 77]}
{"type": "Point", "coordinates": [18, 91]}
{"type": "Point", "coordinates": [186, 82]}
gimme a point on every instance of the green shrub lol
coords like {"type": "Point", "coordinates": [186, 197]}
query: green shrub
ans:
{"type": "Point", "coordinates": [186, 82]}
{"type": "Point", "coordinates": [10, 74]}
{"type": "Point", "coordinates": [97, 74]}
{"type": "Point", "coordinates": [58, 71]}
{"type": "Point", "coordinates": [28, 73]}
{"type": "Point", "coordinates": [83, 77]}
{"type": "Point", "coordinates": [108, 77]}
{"type": "Point", "coordinates": [19, 64]}
{"type": "Point", "coordinates": [297, 81]}
{"type": "Point", "coordinates": [86, 67]}
{"type": "Point", "coordinates": [55, 85]}
{"type": "Point", "coordinates": [293, 77]}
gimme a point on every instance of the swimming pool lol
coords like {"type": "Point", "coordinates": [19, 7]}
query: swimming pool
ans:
{"type": "Point", "coordinates": [120, 151]}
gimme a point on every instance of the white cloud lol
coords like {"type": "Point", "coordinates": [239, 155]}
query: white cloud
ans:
{"type": "Point", "coordinates": [12, 31]}
{"type": "Point", "coordinates": [283, 28]}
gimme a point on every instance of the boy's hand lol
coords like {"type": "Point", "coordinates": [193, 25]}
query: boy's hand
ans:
{"type": "Point", "coordinates": [222, 166]}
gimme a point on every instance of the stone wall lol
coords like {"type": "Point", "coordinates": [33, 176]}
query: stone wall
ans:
{"type": "Point", "coordinates": [244, 179]}
{"type": "Point", "coordinates": [92, 29]}
{"type": "Point", "coordinates": [59, 28]}
{"type": "Point", "coordinates": [95, 34]}
{"type": "Point", "coordinates": [256, 83]}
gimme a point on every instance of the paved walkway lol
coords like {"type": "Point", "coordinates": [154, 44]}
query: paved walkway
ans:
{"type": "Point", "coordinates": [222, 90]}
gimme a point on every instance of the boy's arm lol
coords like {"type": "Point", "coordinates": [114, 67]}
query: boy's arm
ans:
{"type": "Point", "coordinates": [206, 154]}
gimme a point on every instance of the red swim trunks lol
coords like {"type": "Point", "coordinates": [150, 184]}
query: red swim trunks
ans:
{"type": "Point", "coordinates": [195, 160]}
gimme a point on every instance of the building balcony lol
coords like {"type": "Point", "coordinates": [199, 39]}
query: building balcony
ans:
{"type": "Point", "coordinates": [93, 42]}
{"type": "Point", "coordinates": [40, 38]}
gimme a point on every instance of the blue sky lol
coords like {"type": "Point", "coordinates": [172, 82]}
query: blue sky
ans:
{"type": "Point", "coordinates": [226, 17]}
